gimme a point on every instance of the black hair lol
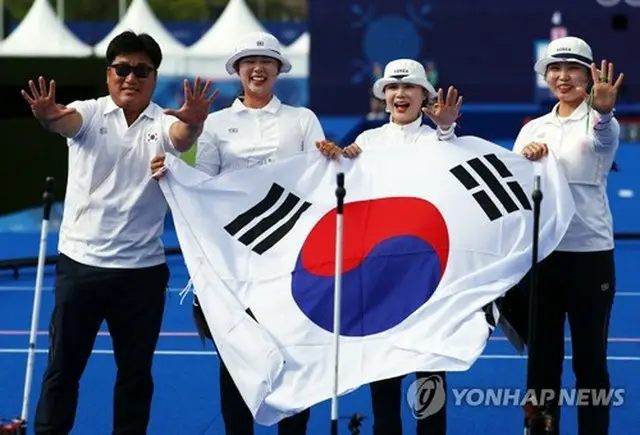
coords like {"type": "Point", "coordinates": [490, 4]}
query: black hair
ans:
{"type": "Point", "coordinates": [237, 62]}
{"type": "Point", "coordinates": [128, 42]}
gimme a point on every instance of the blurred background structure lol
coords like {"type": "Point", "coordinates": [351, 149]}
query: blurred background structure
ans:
{"type": "Point", "coordinates": [485, 48]}
{"type": "Point", "coordinates": [338, 48]}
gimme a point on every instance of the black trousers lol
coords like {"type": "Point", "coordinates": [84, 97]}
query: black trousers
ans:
{"type": "Point", "coordinates": [580, 286]}
{"type": "Point", "coordinates": [235, 413]}
{"type": "Point", "coordinates": [386, 401]}
{"type": "Point", "coordinates": [132, 303]}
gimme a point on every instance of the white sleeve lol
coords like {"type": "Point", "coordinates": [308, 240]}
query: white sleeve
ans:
{"type": "Point", "coordinates": [207, 154]}
{"type": "Point", "coordinates": [87, 110]}
{"type": "Point", "coordinates": [361, 139]}
{"type": "Point", "coordinates": [313, 131]}
{"type": "Point", "coordinates": [606, 132]}
{"type": "Point", "coordinates": [523, 138]}
{"type": "Point", "coordinates": [450, 133]}
{"type": "Point", "coordinates": [167, 144]}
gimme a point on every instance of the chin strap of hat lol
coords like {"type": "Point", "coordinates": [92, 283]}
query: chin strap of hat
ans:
{"type": "Point", "coordinates": [589, 103]}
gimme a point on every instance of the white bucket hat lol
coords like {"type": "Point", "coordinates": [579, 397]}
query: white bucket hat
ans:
{"type": "Point", "coordinates": [258, 44]}
{"type": "Point", "coordinates": [403, 71]}
{"type": "Point", "coordinates": [567, 49]}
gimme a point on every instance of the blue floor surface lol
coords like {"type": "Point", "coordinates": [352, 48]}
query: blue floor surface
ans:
{"type": "Point", "coordinates": [186, 399]}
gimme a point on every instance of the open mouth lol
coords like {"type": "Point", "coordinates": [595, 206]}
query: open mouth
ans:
{"type": "Point", "coordinates": [565, 88]}
{"type": "Point", "coordinates": [258, 80]}
{"type": "Point", "coordinates": [401, 106]}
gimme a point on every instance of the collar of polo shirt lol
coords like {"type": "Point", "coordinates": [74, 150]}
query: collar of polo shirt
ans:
{"type": "Point", "coordinates": [412, 126]}
{"type": "Point", "coordinates": [111, 107]}
{"type": "Point", "coordinates": [272, 107]}
{"type": "Point", "coordinates": [578, 114]}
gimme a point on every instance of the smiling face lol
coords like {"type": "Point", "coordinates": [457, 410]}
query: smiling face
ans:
{"type": "Point", "coordinates": [258, 75]}
{"type": "Point", "coordinates": [566, 81]}
{"type": "Point", "coordinates": [131, 80]}
{"type": "Point", "coordinates": [404, 101]}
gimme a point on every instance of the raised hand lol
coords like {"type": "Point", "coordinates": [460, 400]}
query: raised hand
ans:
{"type": "Point", "coordinates": [445, 113]}
{"type": "Point", "coordinates": [43, 101]}
{"type": "Point", "coordinates": [604, 92]}
{"type": "Point", "coordinates": [196, 105]}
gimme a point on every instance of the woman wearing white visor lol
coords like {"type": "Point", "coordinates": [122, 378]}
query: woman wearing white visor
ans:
{"type": "Point", "coordinates": [408, 96]}
{"type": "Point", "coordinates": [257, 129]}
{"type": "Point", "coordinates": [578, 279]}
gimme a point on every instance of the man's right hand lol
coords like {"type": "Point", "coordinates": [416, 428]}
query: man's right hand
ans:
{"type": "Point", "coordinates": [43, 102]}
{"type": "Point", "coordinates": [157, 166]}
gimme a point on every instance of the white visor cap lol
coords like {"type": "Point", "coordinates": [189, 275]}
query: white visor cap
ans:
{"type": "Point", "coordinates": [258, 44]}
{"type": "Point", "coordinates": [403, 71]}
{"type": "Point", "coordinates": [567, 49]}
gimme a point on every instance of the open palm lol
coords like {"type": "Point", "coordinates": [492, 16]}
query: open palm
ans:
{"type": "Point", "coordinates": [196, 105]}
{"type": "Point", "coordinates": [43, 101]}
{"type": "Point", "coordinates": [444, 113]}
{"type": "Point", "coordinates": [604, 91]}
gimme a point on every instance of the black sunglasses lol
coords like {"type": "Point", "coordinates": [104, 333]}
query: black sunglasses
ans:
{"type": "Point", "coordinates": [140, 71]}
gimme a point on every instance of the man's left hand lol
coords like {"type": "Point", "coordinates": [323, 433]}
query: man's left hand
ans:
{"type": "Point", "coordinates": [197, 103]}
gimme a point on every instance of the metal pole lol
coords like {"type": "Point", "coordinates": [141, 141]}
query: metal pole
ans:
{"type": "Point", "coordinates": [61, 10]}
{"type": "Point", "coordinates": [122, 8]}
{"type": "Point", "coordinates": [1, 20]}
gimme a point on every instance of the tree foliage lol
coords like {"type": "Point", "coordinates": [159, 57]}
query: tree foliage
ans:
{"type": "Point", "coordinates": [167, 10]}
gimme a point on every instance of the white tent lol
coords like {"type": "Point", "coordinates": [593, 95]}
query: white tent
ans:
{"type": "Point", "coordinates": [42, 34]}
{"type": "Point", "coordinates": [208, 56]}
{"type": "Point", "coordinates": [298, 54]}
{"type": "Point", "coordinates": [141, 19]}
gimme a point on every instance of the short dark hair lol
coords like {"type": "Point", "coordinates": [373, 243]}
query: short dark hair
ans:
{"type": "Point", "coordinates": [128, 42]}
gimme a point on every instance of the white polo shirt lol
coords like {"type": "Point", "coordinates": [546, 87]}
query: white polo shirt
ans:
{"type": "Point", "coordinates": [586, 153]}
{"type": "Point", "coordinates": [403, 134]}
{"type": "Point", "coordinates": [114, 211]}
{"type": "Point", "coordinates": [239, 137]}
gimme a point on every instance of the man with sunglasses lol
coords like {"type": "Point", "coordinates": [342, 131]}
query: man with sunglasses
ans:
{"type": "Point", "coordinates": [111, 265]}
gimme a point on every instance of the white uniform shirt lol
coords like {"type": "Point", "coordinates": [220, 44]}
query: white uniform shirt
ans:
{"type": "Point", "coordinates": [114, 211]}
{"type": "Point", "coordinates": [239, 137]}
{"type": "Point", "coordinates": [403, 134]}
{"type": "Point", "coordinates": [586, 154]}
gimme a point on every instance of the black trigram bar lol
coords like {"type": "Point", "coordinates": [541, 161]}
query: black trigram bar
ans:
{"type": "Point", "coordinates": [274, 222]}
{"type": "Point", "coordinates": [497, 186]}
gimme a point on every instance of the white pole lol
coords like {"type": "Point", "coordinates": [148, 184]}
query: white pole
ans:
{"type": "Point", "coordinates": [42, 253]}
{"type": "Point", "coordinates": [337, 296]}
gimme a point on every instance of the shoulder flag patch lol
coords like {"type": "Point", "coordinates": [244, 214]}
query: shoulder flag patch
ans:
{"type": "Point", "coordinates": [274, 226]}
{"type": "Point", "coordinates": [483, 179]}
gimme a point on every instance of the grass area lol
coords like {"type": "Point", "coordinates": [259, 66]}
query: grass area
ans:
{"type": "Point", "coordinates": [190, 156]}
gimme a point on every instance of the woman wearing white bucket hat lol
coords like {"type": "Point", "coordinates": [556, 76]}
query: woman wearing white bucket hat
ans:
{"type": "Point", "coordinates": [257, 129]}
{"type": "Point", "coordinates": [408, 96]}
{"type": "Point", "coordinates": [578, 279]}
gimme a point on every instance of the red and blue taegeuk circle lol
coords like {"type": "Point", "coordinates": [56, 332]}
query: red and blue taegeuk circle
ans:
{"type": "Point", "coordinates": [395, 252]}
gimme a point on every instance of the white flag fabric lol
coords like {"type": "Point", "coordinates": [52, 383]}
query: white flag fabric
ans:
{"type": "Point", "coordinates": [434, 232]}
